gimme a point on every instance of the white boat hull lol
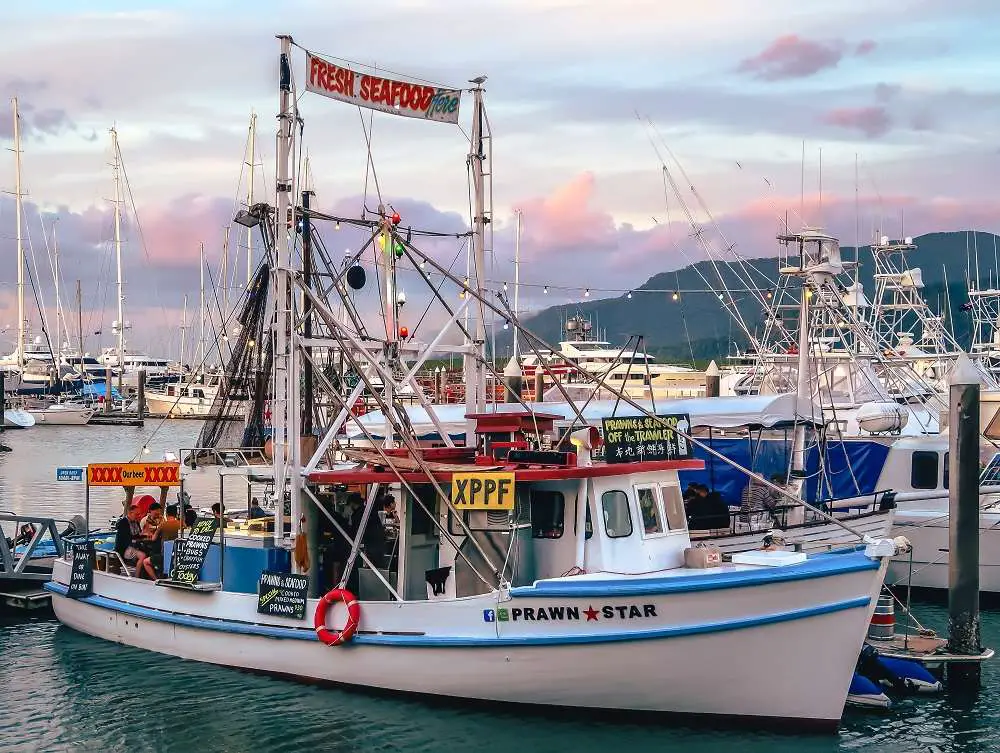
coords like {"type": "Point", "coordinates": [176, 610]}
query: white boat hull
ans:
{"type": "Point", "coordinates": [927, 531]}
{"type": "Point", "coordinates": [819, 537]}
{"type": "Point", "coordinates": [702, 652]}
{"type": "Point", "coordinates": [168, 405]}
{"type": "Point", "coordinates": [60, 415]}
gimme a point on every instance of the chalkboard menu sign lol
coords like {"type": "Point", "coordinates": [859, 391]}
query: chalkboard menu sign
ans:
{"type": "Point", "coordinates": [81, 576]}
{"type": "Point", "coordinates": [282, 594]}
{"type": "Point", "coordinates": [636, 438]}
{"type": "Point", "coordinates": [189, 558]}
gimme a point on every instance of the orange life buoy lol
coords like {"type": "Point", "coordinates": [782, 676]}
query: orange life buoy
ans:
{"type": "Point", "coordinates": [336, 637]}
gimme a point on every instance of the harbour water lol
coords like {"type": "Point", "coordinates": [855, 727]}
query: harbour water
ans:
{"type": "Point", "coordinates": [65, 691]}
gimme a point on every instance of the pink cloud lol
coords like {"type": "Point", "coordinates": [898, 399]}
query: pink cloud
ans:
{"type": "Point", "coordinates": [871, 121]}
{"type": "Point", "coordinates": [791, 56]}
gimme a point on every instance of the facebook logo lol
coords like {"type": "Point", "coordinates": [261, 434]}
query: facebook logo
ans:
{"type": "Point", "coordinates": [489, 615]}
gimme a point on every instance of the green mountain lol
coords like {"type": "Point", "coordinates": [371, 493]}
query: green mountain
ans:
{"type": "Point", "coordinates": [695, 326]}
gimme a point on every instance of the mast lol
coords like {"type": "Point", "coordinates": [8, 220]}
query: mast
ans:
{"type": "Point", "coordinates": [284, 421]}
{"type": "Point", "coordinates": [201, 307]}
{"type": "Point", "coordinates": [116, 168]}
{"type": "Point", "coordinates": [60, 321]}
{"type": "Point", "coordinates": [20, 237]}
{"type": "Point", "coordinates": [79, 319]}
{"type": "Point", "coordinates": [251, 138]}
{"type": "Point", "coordinates": [517, 273]}
{"type": "Point", "coordinates": [184, 326]}
{"type": "Point", "coordinates": [475, 375]}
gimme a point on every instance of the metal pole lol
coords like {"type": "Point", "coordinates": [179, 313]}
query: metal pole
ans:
{"type": "Point", "coordinates": [79, 321]}
{"type": "Point", "coordinates": [475, 376]}
{"type": "Point", "coordinates": [309, 511]}
{"type": "Point", "coordinates": [963, 534]}
{"type": "Point", "coordinates": [20, 240]}
{"type": "Point", "coordinates": [107, 389]}
{"type": "Point", "coordinates": [141, 395]}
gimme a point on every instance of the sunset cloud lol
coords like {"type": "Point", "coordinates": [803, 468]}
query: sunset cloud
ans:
{"type": "Point", "coordinates": [791, 56]}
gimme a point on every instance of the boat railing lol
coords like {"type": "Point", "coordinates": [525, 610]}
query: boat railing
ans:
{"type": "Point", "coordinates": [230, 457]}
{"type": "Point", "coordinates": [16, 555]}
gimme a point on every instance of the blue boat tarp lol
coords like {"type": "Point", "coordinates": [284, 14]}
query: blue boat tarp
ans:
{"type": "Point", "coordinates": [99, 389]}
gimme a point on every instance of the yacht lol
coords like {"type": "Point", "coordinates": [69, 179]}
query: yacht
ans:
{"type": "Point", "coordinates": [157, 369]}
{"type": "Point", "coordinates": [634, 373]}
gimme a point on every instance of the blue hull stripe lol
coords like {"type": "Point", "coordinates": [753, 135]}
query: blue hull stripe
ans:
{"type": "Point", "coordinates": [817, 566]}
{"type": "Point", "coordinates": [269, 631]}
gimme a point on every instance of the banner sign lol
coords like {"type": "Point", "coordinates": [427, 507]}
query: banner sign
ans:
{"type": "Point", "coordinates": [635, 438]}
{"type": "Point", "coordinates": [134, 474]}
{"type": "Point", "coordinates": [282, 594]}
{"type": "Point", "coordinates": [483, 491]}
{"type": "Point", "coordinates": [81, 574]}
{"type": "Point", "coordinates": [405, 98]}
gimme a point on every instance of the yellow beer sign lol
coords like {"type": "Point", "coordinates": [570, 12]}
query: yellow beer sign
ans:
{"type": "Point", "coordinates": [134, 474]}
{"type": "Point", "coordinates": [483, 491]}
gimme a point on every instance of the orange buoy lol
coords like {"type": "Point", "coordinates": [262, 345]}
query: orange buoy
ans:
{"type": "Point", "coordinates": [337, 637]}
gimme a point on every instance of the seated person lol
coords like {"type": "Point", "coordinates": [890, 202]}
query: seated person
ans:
{"type": "Point", "coordinates": [217, 511]}
{"type": "Point", "coordinates": [707, 510]}
{"type": "Point", "coordinates": [170, 526]}
{"type": "Point", "coordinates": [128, 535]}
{"type": "Point", "coordinates": [190, 517]}
{"type": "Point", "coordinates": [151, 521]}
{"type": "Point", "coordinates": [256, 511]}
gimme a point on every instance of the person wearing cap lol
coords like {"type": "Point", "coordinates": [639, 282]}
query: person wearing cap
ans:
{"type": "Point", "coordinates": [127, 536]}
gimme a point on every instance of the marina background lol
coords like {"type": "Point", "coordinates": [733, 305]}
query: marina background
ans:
{"type": "Point", "coordinates": [67, 691]}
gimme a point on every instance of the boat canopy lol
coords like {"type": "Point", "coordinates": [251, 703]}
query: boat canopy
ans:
{"type": "Point", "coordinates": [766, 411]}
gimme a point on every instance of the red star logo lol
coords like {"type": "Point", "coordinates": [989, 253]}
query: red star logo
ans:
{"type": "Point", "coordinates": [591, 613]}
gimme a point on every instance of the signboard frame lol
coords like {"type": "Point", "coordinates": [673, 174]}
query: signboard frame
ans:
{"type": "Point", "coordinates": [629, 439]}
{"type": "Point", "coordinates": [293, 587]}
{"type": "Point", "coordinates": [473, 491]}
{"type": "Point", "coordinates": [82, 554]}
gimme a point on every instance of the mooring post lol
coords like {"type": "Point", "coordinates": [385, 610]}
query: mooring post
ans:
{"type": "Point", "coordinates": [141, 395]}
{"type": "Point", "coordinates": [963, 534]}
{"type": "Point", "coordinates": [713, 380]}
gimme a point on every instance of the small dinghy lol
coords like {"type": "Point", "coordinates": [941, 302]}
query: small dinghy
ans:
{"type": "Point", "coordinates": [14, 418]}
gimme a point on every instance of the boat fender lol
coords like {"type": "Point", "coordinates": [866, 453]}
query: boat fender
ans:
{"type": "Point", "coordinates": [909, 676]}
{"type": "Point", "coordinates": [337, 637]}
{"type": "Point", "coordinates": [863, 692]}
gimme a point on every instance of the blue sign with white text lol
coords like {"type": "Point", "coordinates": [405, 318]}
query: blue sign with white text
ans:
{"type": "Point", "coordinates": [69, 474]}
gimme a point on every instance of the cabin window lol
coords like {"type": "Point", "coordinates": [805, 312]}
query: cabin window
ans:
{"type": "Point", "coordinates": [673, 506]}
{"type": "Point", "coordinates": [547, 514]}
{"type": "Point", "coordinates": [947, 474]}
{"type": "Point", "coordinates": [924, 470]}
{"type": "Point", "coordinates": [649, 508]}
{"type": "Point", "coordinates": [617, 518]}
{"type": "Point", "coordinates": [420, 522]}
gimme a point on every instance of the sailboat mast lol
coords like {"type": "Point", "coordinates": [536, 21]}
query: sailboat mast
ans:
{"type": "Point", "coordinates": [517, 272]}
{"type": "Point", "coordinates": [60, 321]}
{"type": "Point", "coordinates": [116, 167]}
{"type": "Point", "coordinates": [201, 307]}
{"type": "Point", "coordinates": [20, 237]}
{"type": "Point", "coordinates": [79, 318]}
{"type": "Point", "coordinates": [184, 326]}
{"type": "Point", "coordinates": [251, 139]}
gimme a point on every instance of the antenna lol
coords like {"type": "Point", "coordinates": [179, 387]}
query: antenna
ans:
{"type": "Point", "coordinates": [821, 186]}
{"type": "Point", "coordinates": [857, 223]}
{"type": "Point", "coordinates": [802, 185]}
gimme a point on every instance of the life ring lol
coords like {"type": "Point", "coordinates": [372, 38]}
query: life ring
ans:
{"type": "Point", "coordinates": [337, 637]}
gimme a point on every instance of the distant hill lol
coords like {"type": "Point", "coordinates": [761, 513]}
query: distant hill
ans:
{"type": "Point", "coordinates": [697, 325]}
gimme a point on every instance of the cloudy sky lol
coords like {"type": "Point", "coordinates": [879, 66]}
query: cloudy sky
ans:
{"type": "Point", "coordinates": [909, 90]}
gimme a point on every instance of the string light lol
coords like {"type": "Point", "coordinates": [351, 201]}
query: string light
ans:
{"type": "Point", "coordinates": [586, 293]}
{"type": "Point", "coordinates": [769, 295]}
{"type": "Point", "coordinates": [676, 296]}
{"type": "Point", "coordinates": [545, 290]}
{"type": "Point", "coordinates": [720, 296]}
{"type": "Point", "coordinates": [506, 324]}
{"type": "Point", "coordinates": [629, 296]}
{"type": "Point", "coordinates": [505, 286]}
{"type": "Point", "coordinates": [337, 225]}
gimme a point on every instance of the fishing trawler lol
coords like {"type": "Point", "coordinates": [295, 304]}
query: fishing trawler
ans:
{"type": "Point", "coordinates": [519, 574]}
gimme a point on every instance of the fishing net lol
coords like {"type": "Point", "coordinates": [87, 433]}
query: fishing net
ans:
{"type": "Point", "coordinates": [238, 415]}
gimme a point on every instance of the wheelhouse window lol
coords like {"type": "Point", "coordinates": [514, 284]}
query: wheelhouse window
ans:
{"type": "Point", "coordinates": [617, 518]}
{"type": "Point", "coordinates": [649, 508]}
{"type": "Point", "coordinates": [547, 514]}
{"type": "Point", "coordinates": [924, 470]}
{"type": "Point", "coordinates": [673, 506]}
